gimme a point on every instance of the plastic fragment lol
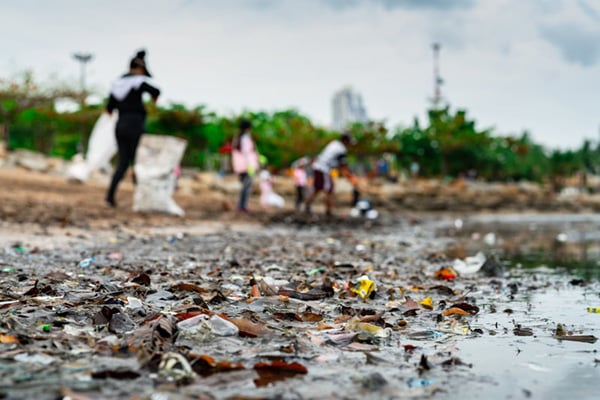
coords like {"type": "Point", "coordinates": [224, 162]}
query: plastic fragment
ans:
{"type": "Point", "coordinates": [364, 287]}
{"type": "Point", "coordinates": [427, 302]}
{"type": "Point", "coordinates": [86, 262]}
{"type": "Point", "coordinates": [413, 383]}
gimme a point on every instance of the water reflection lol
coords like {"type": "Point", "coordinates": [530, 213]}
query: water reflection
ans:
{"type": "Point", "coordinates": [561, 242]}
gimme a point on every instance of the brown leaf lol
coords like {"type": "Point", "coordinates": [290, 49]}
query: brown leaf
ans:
{"type": "Point", "coordinates": [454, 311]}
{"type": "Point", "coordinates": [188, 287]}
{"type": "Point", "coordinates": [34, 291]}
{"type": "Point", "coordinates": [206, 365]}
{"type": "Point", "coordinates": [411, 304]}
{"type": "Point", "coordinates": [578, 338]}
{"type": "Point", "coordinates": [6, 339]}
{"type": "Point", "coordinates": [277, 371]}
{"type": "Point", "coordinates": [254, 291]}
{"type": "Point", "coordinates": [248, 328]}
{"type": "Point", "coordinates": [142, 279]}
{"type": "Point", "coordinates": [471, 309]}
{"type": "Point", "coordinates": [311, 317]}
{"type": "Point", "coordinates": [115, 374]}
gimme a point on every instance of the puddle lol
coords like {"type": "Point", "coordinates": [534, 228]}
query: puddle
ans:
{"type": "Point", "coordinates": [567, 243]}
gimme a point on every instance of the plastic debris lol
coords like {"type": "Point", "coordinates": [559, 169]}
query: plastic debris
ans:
{"type": "Point", "coordinates": [86, 262]}
{"type": "Point", "coordinates": [470, 265]}
{"type": "Point", "coordinates": [365, 287]}
{"type": "Point", "coordinates": [427, 302]}
{"type": "Point", "coordinates": [446, 273]}
{"type": "Point", "coordinates": [595, 310]}
{"type": "Point", "coordinates": [413, 383]}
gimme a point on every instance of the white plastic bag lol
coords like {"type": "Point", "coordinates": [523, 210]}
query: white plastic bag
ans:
{"type": "Point", "coordinates": [155, 163]}
{"type": "Point", "coordinates": [102, 146]}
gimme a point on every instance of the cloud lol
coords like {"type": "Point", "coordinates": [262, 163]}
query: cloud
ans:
{"type": "Point", "coordinates": [576, 44]}
{"type": "Point", "coordinates": [443, 5]}
{"type": "Point", "coordinates": [428, 4]}
{"type": "Point", "coordinates": [589, 10]}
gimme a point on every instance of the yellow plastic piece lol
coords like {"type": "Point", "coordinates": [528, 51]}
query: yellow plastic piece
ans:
{"type": "Point", "coordinates": [427, 302]}
{"type": "Point", "coordinates": [365, 287]}
{"type": "Point", "coordinates": [595, 310]}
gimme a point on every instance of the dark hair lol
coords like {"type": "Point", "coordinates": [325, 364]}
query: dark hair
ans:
{"type": "Point", "coordinates": [139, 62]}
{"type": "Point", "coordinates": [245, 125]}
{"type": "Point", "coordinates": [346, 137]}
{"type": "Point", "coordinates": [237, 140]}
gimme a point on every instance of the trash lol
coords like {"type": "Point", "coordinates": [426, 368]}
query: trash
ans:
{"type": "Point", "coordinates": [102, 145]}
{"type": "Point", "coordinates": [38, 358]}
{"type": "Point", "coordinates": [86, 262]}
{"type": "Point", "coordinates": [427, 302]}
{"type": "Point", "coordinates": [155, 163]}
{"type": "Point", "coordinates": [46, 328]}
{"type": "Point", "coordinates": [470, 265]}
{"type": "Point", "coordinates": [355, 325]}
{"type": "Point", "coordinates": [315, 270]}
{"type": "Point", "coordinates": [175, 367]}
{"type": "Point", "coordinates": [446, 273]}
{"type": "Point", "coordinates": [364, 287]}
{"type": "Point", "coordinates": [413, 383]}
{"type": "Point", "coordinates": [425, 335]}
{"type": "Point", "coordinates": [490, 239]}
{"type": "Point", "coordinates": [595, 310]}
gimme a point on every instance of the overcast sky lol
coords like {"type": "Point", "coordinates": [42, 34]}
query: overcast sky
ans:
{"type": "Point", "coordinates": [515, 65]}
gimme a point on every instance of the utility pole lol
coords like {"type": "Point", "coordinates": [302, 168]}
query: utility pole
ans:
{"type": "Point", "coordinates": [437, 80]}
{"type": "Point", "coordinates": [82, 58]}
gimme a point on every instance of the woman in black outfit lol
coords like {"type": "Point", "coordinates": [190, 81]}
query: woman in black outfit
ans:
{"type": "Point", "coordinates": [126, 97]}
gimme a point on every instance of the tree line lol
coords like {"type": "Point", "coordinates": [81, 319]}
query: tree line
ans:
{"type": "Point", "coordinates": [448, 144]}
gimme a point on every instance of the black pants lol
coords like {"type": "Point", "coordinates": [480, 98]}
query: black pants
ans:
{"type": "Point", "coordinates": [130, 127]}
{"type": "Point", "coordinates": [299, 196]}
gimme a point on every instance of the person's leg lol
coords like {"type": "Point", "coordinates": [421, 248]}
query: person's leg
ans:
{"type": "Point", "coordinates": [128, 131]}
{"type": "Point", "coordinates": [329, 199]}
{"type": "Point", "coordinates": [299, 197]}
{"type": "Point", "coordinates": [245, 191]}
{"type": "Point", "coordinates": [318, 185]}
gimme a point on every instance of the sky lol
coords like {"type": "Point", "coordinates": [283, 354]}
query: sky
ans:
{"type": "Point", "coordinates": [514, 65]}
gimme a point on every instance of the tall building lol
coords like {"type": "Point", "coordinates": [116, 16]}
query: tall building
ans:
{"type": "Point", "coordinates": [347, 108]}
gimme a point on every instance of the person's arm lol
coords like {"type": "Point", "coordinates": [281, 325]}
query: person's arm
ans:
{"type": "Point", "coordinates": [345, 171]}
{"type": "Point", "coordinates": [154, 92]}
{"type": "Point", "coordinates": [111, 105]}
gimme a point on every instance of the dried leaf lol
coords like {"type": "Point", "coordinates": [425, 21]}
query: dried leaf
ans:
{"type": "Point", "coordinates": [471, 309]}
{"type": "Point", "coordinates": [115, 374]}
{"type": "Point", "coordinates": [578, 338]}
{"type": "Point", "coordinates": [247, 327]}
{"type": "Point", "coordinates": [454, 311]}
{"type": "Point", "coordinates": [188, 287]}
{"type": "Point", "coordinates": [142, 279]}
{"type": "Point", "coordinates": [255, 291]}
{"type": "Point", "coordinates": [205, 365]}
{"type": "Point", "coordinates": [6, 339]}
{"type": "Point", "coordinates": [277, 371]}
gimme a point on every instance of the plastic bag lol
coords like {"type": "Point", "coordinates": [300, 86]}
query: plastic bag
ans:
{"type": "Point", "coordinates": [102, 146]}
{"type": "Point", "coordinates": [156, 161]}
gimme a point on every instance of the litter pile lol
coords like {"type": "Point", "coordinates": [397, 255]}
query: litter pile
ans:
{"type": "Point", "coordinates": [310, 313]}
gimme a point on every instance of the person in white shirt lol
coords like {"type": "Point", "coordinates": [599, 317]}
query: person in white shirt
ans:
{"type": "Point", "coordinates": [334, 155]}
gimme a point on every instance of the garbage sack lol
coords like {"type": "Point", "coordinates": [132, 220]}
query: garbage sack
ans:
{"type": "Point", "coordinates": [102, 146]}
{"type": "Point", "coordinates": [156, 161]}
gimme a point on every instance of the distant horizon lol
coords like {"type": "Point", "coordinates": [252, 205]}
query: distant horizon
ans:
{"type": "Point", "coordinates": [513, 66]}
